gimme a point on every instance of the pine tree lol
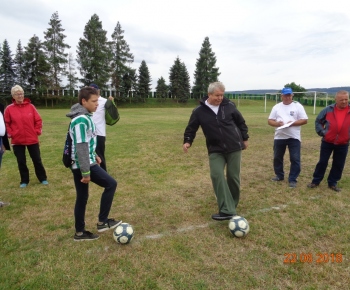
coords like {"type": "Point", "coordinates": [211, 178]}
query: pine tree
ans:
{"type": "Point", "coordinates": [175, 78]}
{"type": "Point", "coordinates": [19, 62]}
{"type": "Point", "coordinates": [55, 46]}
{"type": "Point", "coordinates": [94, 54]}
{"type": "Point", "coordinates": [144, 80]}
{"type": "Point", "coordinates": [179, 81]}
{"type": "Point", "coordinates": [129, 84]}
{"type": "Point", "coordinates": [36, 65]}
{"type": "Point", "coordinates": [71, 73]}
{"type": "Point", "coordinates": [162, 88]}
{"type": "Point", "coordinates": [121, 57]}
{"type": "Point", "coordinates": [206, 71]}
{"type": "Point", "coordinates": [186, 86]}
{"type": "Point", "coordinates": [7, 74]}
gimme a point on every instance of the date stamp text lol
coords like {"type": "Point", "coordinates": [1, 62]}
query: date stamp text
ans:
{"type": "Point", "coordinates": [319, 258]}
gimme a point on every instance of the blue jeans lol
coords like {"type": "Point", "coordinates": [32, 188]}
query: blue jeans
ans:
{"type": "Point", "coordinates": [101, 178]}
{"type": "Point", "coordinates": [279, 149]}
{"type": "Point", "coordinates": [339, 157]}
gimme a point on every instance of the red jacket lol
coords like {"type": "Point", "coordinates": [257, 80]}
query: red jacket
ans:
{"type": "Point", "coordinates": [23, 123]}
{"type": "Point", "coordinates": [326, 126]}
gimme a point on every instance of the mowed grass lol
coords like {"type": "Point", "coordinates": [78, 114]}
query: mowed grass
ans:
{"type": "Point", "coordinates": [168, 198]}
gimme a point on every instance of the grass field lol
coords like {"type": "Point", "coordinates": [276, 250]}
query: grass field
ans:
{"type": "Point", "coordinates": [299, 238]}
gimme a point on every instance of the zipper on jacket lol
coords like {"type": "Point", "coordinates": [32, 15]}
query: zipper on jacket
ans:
{"type": "Point", "coordinates": [222, 135]}
{"type": "Point", "coordinates": [222, 113]}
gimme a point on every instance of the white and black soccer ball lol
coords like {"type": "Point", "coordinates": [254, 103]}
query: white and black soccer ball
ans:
{"type": "Point", "coordinates": [238, 226]}
{"type": "Point", "coordinates": [123, 234]}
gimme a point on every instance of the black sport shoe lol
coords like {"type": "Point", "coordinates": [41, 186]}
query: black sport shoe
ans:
{"type": "Point", "coordinates": [222, 216]}
{"type": "Point", "coordinates": [276, 178]}
{"type": "Point", "coordinates": [2, 204]}
{"type": "Point", "coordinates": [312, 185]}
{"type": "Point", "coordinates": [335, 188]}
{"type": "Point", "coordinates": [86, 236]}
{"type": "Point", "coordinates": [292, 184]}
{"type": "Point", "coordinates": [108, 225]}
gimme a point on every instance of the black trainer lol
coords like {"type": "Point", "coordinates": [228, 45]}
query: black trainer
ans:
{"type": "Point", "coordinates": [292, 184]}
{"type": "Point", "coordinates": [108, 225]}
{"type": "Point", "coordinates": [312, 185]}
{"type": "Point", "coordinates": [2, 204]}
{"type": "Point", "coordinates": [86, 236]}
{"type": "Point", "coordinates": [222, 216]}
{"type": "Point", "coordinates": [335, 188]}
{"type": "Point", "coordinates": [276, 178]}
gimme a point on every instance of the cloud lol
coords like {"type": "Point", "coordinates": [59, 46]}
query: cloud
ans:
{"type": "Point", "coordinates": [258, 44]}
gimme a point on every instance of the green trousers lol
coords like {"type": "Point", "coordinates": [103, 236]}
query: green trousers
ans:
{"type": "Point", "coordinates": [226, 188]}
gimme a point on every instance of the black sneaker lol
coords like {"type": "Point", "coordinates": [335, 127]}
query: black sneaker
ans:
{"type": "Point", "coordinates": [108, 225]}
{"type": "Point", "coordinates": [292, 184]}
{"type": "Point", "coordinates": [335, 188]}
{"type": "Point", "coordinates": [276, 178]}
{"type": "Point", "coordinates": [2, 204]}
{"type": "Point", "coordinates": [86, 236]}
{"type": "Point", "coordinates": [312, 185]}
{"type": "Point", "coordinates": [222, 216]}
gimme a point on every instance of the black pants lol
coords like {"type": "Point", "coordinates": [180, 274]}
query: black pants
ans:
{"type": "Point", "coordinates": [101, 178]}
{"type": "Point", "coordinates": [34, 152]}
{"type": "Point", "coordinates": [339, 157]}
{"type": "Point", "coordinates": [100, 151]}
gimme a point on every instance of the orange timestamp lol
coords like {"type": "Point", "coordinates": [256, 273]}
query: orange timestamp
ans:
{"type": "Point", "coordinates": [319, 258]}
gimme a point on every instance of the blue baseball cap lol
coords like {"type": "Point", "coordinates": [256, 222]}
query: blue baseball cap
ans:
{"type": "Point", "coordinates": [94, 86]}
{"type": "Point", "coordinates": [287, 91]}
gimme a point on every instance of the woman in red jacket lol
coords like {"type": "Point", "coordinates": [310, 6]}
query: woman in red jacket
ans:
{"type": "Point", "coordinates": [23, 126]}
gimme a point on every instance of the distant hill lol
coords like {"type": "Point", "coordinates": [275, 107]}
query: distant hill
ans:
{"type": "Point", "coordinates": [330, 91]}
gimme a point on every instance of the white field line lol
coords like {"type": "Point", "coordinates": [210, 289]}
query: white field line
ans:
{"type": "Point", "coordinates": [192, 228]}
{"type": "Point", "coordinates": [180, 230]}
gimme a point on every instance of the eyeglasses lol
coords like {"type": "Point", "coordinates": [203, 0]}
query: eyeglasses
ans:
{"type": "Point", "coordinates": [19, 94]}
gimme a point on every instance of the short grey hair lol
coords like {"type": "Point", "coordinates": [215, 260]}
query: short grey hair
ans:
{"type": "Point", "coordinates": [16, 89]}
{"type": "Point", "coordinates": [342, 92]}
{"type": "Point", "coordinates": [216, 86]}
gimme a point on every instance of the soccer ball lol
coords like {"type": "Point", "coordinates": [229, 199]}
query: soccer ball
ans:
{"type": "Point", "coordinates": [123, 233]}
{"type": "Point", "coordinates": [238, 226]}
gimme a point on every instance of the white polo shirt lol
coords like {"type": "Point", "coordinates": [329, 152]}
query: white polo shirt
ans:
{"type": "Point", "coordinates": [99, 117]}
{"type": "Point", "coordinates": [286, 113]}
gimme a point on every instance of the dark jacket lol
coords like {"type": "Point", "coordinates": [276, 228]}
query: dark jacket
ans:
{"type": "Point", "coordinates": [224, 132]}
{"type": "Point", "coordinates": [5, 141]}
{"type": "Point", "coordinates": [326, 126]}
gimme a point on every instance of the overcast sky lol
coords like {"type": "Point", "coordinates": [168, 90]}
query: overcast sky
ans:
{"type": "Point", "coordinates": [259, 44]}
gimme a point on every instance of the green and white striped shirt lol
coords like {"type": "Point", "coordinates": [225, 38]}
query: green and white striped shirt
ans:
{"type": "Point", "coordinates": [83, 130]}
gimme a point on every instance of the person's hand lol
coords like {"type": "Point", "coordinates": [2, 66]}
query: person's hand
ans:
{"type": "Point", "coordinates": [98, 160]}
{"type": "Point", "coordinates": [111, 98]}
{"type": "Point", "coordinates": [85, 179]}
{"type": "Point", "coordinates": [186, 146]}
{"type": "Point", "coordinates": [245, 144]}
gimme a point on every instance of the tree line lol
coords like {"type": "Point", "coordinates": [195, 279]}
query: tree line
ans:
{"type": "Point", "coordinates": [42, 65]}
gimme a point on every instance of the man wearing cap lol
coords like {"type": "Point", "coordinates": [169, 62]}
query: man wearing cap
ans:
{"type": "Point", "coordinates": [99, 119]}
{"type": "Point", "coordinates": [287, 116]}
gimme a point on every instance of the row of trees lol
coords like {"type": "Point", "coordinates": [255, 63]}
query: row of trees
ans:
{"type": "Point", "coordinates": [45, 65]}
